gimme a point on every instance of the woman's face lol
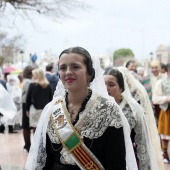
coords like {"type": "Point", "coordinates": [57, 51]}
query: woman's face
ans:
{"type": "Point", "coordinates": [113, 87]}
{"type": "Point", "coordinates": [73, 72]}
{"type": "Point", "coordinates": [34, 77]}
{"type": "Point", "coordinates": [132, 67]}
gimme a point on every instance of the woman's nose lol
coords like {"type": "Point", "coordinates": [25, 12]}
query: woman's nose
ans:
{"type": "Point", "coordinates": [68, 71]}
{"type": "Point", "coordinates": [107, 88]}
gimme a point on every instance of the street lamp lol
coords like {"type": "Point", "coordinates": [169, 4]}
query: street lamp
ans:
{"type": "Point", "coordinates": [22, 58]}
{"type": "Point", "coordinates": [151, 56]}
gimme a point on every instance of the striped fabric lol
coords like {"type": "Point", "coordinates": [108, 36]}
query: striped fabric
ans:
{"type": "Point", "coordinates": [85, 159]}
{"type": "Point", "coordinates": [146, 82]}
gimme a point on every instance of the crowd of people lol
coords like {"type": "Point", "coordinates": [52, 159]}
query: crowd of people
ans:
{"type": "Point", "coordinates": [84, 117]}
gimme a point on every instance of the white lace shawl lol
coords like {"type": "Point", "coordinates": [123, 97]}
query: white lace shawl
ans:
{"type": "Point", "coordinates": [37, 154]}
{"type": "Point", "coordinates": [136, 118]}
{"type": "Point", "coordinates": [99, 114]}
{"type": "Point", "coordinates": [139, 93]}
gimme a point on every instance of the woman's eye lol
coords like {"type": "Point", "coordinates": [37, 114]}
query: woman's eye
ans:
{"type": "Point", "coordinates": [62, 68]}
{"type": "Point", "coordinates": [111, 85]}
{"type": "Point", "coordinates": [75, 67]}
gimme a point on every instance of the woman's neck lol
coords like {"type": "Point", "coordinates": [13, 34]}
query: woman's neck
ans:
{"type": "Point", "coordinates": [118, 100]}
{"type": "Point", "coordinates": [76, 98]}
{"type": "Point", "coordinates": [75, 101]}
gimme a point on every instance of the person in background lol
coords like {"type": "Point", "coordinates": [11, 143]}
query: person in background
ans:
{"type": "Point", "coordinates": [20, 76]}
{"type": "Point", "coordinates": [91, 131]}
{"type": "Point", "coordinates": [27, 76]}
{"type": "Point", "coordinates": [156, 74]}
{"type": "Point", "coordinates": [2, 81]}
{"type": "Point", "coordinates": [131, 65]}
{"type": "Point", "coordinates": [5, 76]}
{"type": "Point", "coordinates": [139, 93]}
{"type": "Point", "coordinates": [16, 94]}
{"type": "Point", "coordinates": [154, 77]}
{"type": "Point", "coordinates": [7, 107]}
{"type": "Point", "coordinates": [144, 79]}
{"type": "Point", "coordinates": [161, 96]}
{"type": "Point", "coordinates": [39, 94]}
{"type": "Point", "coordinates": [51, 76]}
{"type": "Point", "coordinates": [163, 68]}
{"type": "Point", "coordinates": [141, 71]}
{"type": "Point", "coordinates": [18, 124]}
{"type": "Point", "coordinates": [117, 87]}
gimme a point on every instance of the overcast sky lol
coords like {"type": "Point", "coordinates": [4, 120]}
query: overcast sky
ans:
{"type": "Point", "coordinates": [141, 25]}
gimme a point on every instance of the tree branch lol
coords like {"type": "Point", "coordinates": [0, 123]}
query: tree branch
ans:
{"type": "Point", "coordinates": [50, 8]}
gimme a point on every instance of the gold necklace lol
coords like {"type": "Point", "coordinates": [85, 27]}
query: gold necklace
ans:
{"type": "Point", "coordinates": [55, 149]}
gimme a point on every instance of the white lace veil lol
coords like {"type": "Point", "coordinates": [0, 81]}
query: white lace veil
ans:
{"type": "Point", "coordinates": [7, 105]}
{"type": "Point", "coordinates": [142, 132]}
{"type": "Point", "coordinates": [141, 95]}
{"type": "Point", "coordinates": [37, 150]}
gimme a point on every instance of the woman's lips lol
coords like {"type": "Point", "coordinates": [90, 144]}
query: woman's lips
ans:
{"type": "Point", "coordinates": [70, 80]}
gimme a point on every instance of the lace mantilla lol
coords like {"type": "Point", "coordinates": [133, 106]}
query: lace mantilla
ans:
{"type": "Point", "coordinates": [138, 123]}
{"type": "Point", "coordinates": [99, 117]}
{"type": "Point", "coordinates": [94, 120]}
{"type": "Point", "coordinates": [128, 114]}
{"type": "Point", "coordinates": [51, 133]}
{"type": "Point", "coordinates": [147, 126]}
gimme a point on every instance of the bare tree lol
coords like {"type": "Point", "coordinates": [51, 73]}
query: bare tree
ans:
{"type": "Point", "coordinates": [9, 47]}
{"type": "Point", "coordinates": [54, 9]}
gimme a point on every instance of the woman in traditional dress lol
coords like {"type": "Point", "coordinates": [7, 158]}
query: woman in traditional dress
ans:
{"type": "Point", "coordinates": [117, 87]}
{"type": "Point", "coordinates": [161, 96]}
{"type": "Point", "coordinates": [139, 93]}
{"type": "Point", "coordinates": [82, 128]}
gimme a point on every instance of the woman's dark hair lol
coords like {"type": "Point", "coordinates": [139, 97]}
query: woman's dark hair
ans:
{"type": "Point", "coordinates": [129, 62]}
{"type": "Point", "coordinates": [20, 76]}
{"type": "Point", "coordinates": [86, 56]}
{"type": "Point", "coordinates": [27, 73]}
{"type": "Point", "coordinates": [49, 66]}
{"type": "Point", "coordinates": [116, 73]}
{"type": "Point", "coordinates": [164, 66]}
{"type": "Point", "coordinates": [167, 66]}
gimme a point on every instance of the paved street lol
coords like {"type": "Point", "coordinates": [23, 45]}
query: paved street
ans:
{"type": "Point", "coordinates": [12, 155]}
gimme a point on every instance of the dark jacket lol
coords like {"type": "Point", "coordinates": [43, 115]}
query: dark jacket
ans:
{"type": "Point", "coordinates": [3, 83]}
{"type": "Point", "coordinates": [53, 80]}
{"type": "Point", "coordinates": [37, 96]}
